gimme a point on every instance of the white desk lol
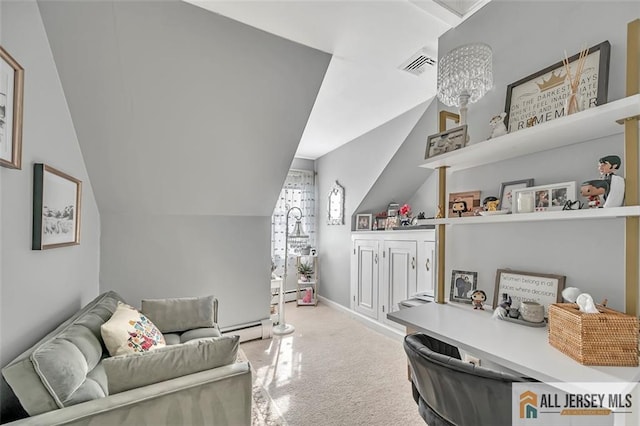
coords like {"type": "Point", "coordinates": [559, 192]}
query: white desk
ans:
{"type": "Point", "coordinates": [517, 347]}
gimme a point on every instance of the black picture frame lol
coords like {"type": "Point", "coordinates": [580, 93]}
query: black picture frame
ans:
{"type": "Point", "coordinates": [463, 283]}
{"type": "Point", "coordinates": [555, 81]}
{"type": "Point", "coordinates": [56, 208]}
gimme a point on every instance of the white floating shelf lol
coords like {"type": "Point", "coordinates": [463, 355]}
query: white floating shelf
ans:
{"type": "Point", "coordinates": [593, 123]}
{"type": "Point", "coordinates": [610, 213]}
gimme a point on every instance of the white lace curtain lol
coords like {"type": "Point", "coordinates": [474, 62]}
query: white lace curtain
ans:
{"type": "Point", "coordinates": [298, 191]}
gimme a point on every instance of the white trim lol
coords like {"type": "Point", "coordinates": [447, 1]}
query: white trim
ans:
{"type": "Point", "coordinates": [375, 325]}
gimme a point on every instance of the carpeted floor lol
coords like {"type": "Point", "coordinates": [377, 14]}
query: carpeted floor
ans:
{"type": "Point", "coordinates": [333, 370]}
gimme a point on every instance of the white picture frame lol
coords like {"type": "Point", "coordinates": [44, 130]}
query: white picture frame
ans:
{"type": "Point", "coordinates": [546, 197]}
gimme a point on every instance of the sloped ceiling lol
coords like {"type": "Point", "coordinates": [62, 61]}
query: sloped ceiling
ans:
{"type": "Point", "coordinates": [178, 110]}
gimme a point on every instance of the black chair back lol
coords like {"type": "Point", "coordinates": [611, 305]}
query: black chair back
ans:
{"type": "Point", "coordinates": [452, 392]}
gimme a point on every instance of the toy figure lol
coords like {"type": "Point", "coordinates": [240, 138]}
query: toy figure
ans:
{"type": "Point", "coordinates": [593, 189]}
{"type": "Point", "coordinates": [608, 165]}
{"type": "Point", "coordinates": [478, 297]}
{"type": "Point", "coordinates": [459, 206]}
{"type": "Point", "coordinates": [439, 214]}
{"type": "Point", "coordinates": [490, 204]}
{"type": "Point", "coordinates": [497, 125]}
{"type": "Point", "coordinates": [506, 301]}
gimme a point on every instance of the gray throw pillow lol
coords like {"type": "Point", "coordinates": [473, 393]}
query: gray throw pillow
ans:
{"type": "Point", "coordinates": [180, 314]}
{"type": "Point", "coordinates": [126, 372]}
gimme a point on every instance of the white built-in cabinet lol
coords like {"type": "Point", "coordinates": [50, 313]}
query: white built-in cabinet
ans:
{"type": "Point", "coordinates": [388, 267]}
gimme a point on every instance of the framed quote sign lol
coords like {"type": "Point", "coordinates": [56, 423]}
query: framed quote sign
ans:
{"type": "Point", "coordinates": [545, 289]}
{"type": "Point", "coordinates": [541, 97]}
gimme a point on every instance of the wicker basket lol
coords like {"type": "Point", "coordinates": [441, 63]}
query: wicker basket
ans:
{"type": "Point", "coordinates": [608, 338]}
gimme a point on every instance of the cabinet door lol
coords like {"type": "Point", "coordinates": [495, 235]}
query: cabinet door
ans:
{"type": "Point", "coordinates": [399, 276]}
{"type": "Point", "coordinates": [426, 267]}
{"type": "Point", "coordinates": [365, 288]}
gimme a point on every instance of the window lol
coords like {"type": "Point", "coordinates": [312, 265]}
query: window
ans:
{"type": "Point", "coordinates": [298, 191]}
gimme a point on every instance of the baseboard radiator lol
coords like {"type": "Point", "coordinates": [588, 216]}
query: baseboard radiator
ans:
{"type": "Point", "coordinates": [250, 331]}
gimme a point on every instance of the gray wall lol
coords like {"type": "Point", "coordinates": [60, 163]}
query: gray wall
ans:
{"type": "Point", "coordinates": [40, 289]}
{"type": "Point", "coordinates": [356, 166]}
{"type": "Point", "coordinates": [527, 37]}
{"type": "Point", "coordinates": [188, 122]}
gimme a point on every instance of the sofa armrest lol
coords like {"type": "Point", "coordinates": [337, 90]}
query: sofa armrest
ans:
{"type": "Point", "coordinates": [218, 396]}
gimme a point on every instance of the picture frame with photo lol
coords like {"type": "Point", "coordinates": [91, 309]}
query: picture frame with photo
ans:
{"type": "Point", "coordinates": [506, 192]}
{"type": "Point", "coordinates": [470, 200]}
{"type": "Point", "coordinates": [363, 222]}
{"type": "Point", "coordinates": [463, 283]}
{"type": "Point", "coordinates": [11, 106]}
{"type": "Point", "coordinates": [446, 141]}
{"type": "Point", "coordinates": [546, 197]}
{"type": "Point", "coordinates": [542, 288]}
{"type": "Point", "coordinates": [56, 208]}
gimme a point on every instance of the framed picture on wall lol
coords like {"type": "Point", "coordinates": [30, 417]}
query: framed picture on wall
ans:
{"type": "Point", "coordinates": [56, 208]}
{"type": "Point", "coordinates": [11, 95]}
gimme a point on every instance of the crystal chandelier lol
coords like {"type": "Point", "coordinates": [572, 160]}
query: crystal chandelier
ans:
{"type": "Point", "coordinates": [464, 75]}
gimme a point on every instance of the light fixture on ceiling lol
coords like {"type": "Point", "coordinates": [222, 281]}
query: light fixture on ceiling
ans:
{"type": "Point", "coordinates": [296, 239]}
{"type": "Point", "coordinates": [465, 74]}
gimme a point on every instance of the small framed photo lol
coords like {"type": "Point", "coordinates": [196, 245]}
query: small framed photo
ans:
{"type": "Point", "coordinates": [462, 204]}
{"type": "Point", "coordinates": [381, 223]}
{"type": "Point", "coordinates": [543, 198]}
{"type": "Point", "coordinates": [11, 99]}
{"type": "Point", "coordinates": [544, 289]}
{"type": "Point", "coordinates": [363, 222]}
{"type": "Point", "coordinates": [391, 222]}
{"type": "Point", "coordinates": [56, 208]}
{"type": "Point", "coordinates": [447, 141]}
{"type": "Point", "coordinates": [506, 192]}
{"type": "Point", "coordinates": [463, 283]}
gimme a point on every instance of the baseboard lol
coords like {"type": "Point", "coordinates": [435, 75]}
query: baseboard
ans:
{"type": "Point", "coordinates": [375, 325]}
{"type": "Point", "coordinates": [251, 331]}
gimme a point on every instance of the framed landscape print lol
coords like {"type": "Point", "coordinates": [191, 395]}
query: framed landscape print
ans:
{"type": "Point", "coordinates": [11, 95]}
{"type": "Point", "coordinates": [541, 96]}
{"type": "Point", "coordinates": [56, 208]}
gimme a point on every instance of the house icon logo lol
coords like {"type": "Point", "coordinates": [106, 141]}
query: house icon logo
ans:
{"type": "Point", "coordinates": [528, 405]}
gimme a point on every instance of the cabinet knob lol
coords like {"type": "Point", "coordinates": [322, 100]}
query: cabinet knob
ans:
{"type": "Point", "coordinates": [427, 264]}
{"type": "Point", "coordinates": [376, 259]}
{"type": "Point", "coordinates": [413, 263]}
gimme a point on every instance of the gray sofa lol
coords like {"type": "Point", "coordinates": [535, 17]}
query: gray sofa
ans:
{"type": "Point", "coordinates": [63, 379]}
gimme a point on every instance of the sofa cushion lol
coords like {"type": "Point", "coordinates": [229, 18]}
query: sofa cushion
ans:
{"type": "Point", "coordinates": [199, 333]}
{"type": "Point", "coordinates": [180, 314]}
{"type": "Point", "coordinates": [135, 370]}
{"type": "Point", "coordinates": [58, 371]}
{"type": "Point", "coordinates": [128, 331]}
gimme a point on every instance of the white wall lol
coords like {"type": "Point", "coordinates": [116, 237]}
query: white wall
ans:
{"type": "Point", "coordinates": [527, 37]}
{"type": "Point", "coordinates": [356, 166]}
{"type": "Point", "coordinates": [40, 289]}
{"type": "Point", "coordinates": [188, 122]}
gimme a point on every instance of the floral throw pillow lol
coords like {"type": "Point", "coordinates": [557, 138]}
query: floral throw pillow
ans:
{"type": "Point", "coordinates": [129, 331]}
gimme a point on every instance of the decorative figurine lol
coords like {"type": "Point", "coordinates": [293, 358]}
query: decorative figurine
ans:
{"type": "Point", "coordinates": [607, 166]}
{"type": "Point", "coordinates": [490, 204]}
{"type": "Point", "coordinates": [506, 301]}
{"type": "Point", "coordinates": [439, 214]}
{"type": "Point", "coordinates": [593, 190]}
{"type": "Point", "coordinates": [459, 206]}
{"type": "Point", "coordinates": [478, 297]}
{"type": "Point", "coordinates": [497, 125]}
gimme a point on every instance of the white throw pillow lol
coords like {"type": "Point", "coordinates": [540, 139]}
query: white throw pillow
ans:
{"type": "Point", "coordinates": [128, 331]}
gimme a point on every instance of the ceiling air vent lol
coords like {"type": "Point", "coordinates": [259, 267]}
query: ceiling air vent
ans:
{"type": "Point", "coordinates": [418, 62]}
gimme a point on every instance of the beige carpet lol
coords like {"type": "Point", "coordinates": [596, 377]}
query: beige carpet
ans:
{"type": "Point", "coordinates": [333, 370]}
